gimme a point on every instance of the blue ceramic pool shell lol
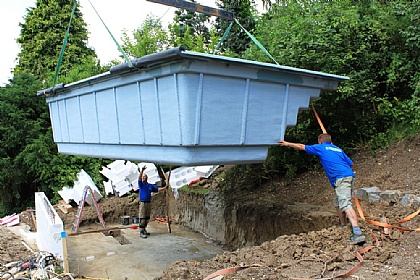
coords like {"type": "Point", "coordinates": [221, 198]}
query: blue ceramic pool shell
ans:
{"type": "Point", "coordinates": [183, 108]}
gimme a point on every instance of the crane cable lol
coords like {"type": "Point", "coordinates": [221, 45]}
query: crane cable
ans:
{"type": "Point", "coordinates": [60, 59]}
{"type": "Point", "coordinates": [113, 38]}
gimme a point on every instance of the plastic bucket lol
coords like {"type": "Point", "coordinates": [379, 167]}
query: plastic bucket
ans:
{"type": "Point", "coordinates": [125, 220]}
{"type": "Point", "coordinates": [135, 219]}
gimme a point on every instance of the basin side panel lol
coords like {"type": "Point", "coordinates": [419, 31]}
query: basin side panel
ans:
{"type": "Point", "coordinates": [169, 110]}
{"type": "Point", "coordinates": [75, 122]}
{"type": "Point", "coordinates": [89, 118]}
{"type": "Point", "coordinates": [221, 110]}
{"type": "Point", "coordinates": [265, 112]}
{"type": "Point", "coordinates": [130, 115]}
{"type": "Point", "coordinates": [299, 98]}
{"type": "Point", "coordinates": [150, 111]}
{"type": "Point", "coordinates": [107, 116]}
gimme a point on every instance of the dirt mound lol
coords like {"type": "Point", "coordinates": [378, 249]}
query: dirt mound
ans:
{"type": "Point", "coordinates": [12, 248]}
{"type": "Point", "coordinates": [325, 253]}
{"type": "Point", "coordinates": [314, 254]}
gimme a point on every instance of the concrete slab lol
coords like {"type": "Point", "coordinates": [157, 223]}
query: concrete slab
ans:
{"type": "Point", "coordinates": [100, 256]}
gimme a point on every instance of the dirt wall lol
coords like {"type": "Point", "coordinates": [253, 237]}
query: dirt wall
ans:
{"type": "Point", "coordinates": [237, 223]}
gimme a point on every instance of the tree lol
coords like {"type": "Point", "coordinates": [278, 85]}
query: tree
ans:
{"type": "Point", "coordinates": [375, 43]}
{"type": "Point", "coordinates": [193, 31]}
{"type": "Point", "coordinates": [364, 42]}
{"type": "Point", "coordinates": [41, 39]}
{"type": "Point", "coordinates": [20, 122]}
{"type": "Point", "coordinates": [149, 38]}
{"type": "Point", "coordinates": [237, 41]}
{"type": "Point", "coordinates": [30, 161]}
{"type": "Point", "coordinates": [195, 24]}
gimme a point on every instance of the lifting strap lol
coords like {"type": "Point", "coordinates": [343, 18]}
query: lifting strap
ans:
{"type": "Point", "coordinates": [256, 42]}
{"type": "Point", "coordinates": [249, 35]}
{"type": "Point", "coordinates": [223, 37]}
{"type": "Point", "coordinates": [60, 59]}
{"type": "Point", "coordinates": [113, 38]}
{"type": "Point", "coordinates": [386, 225]}
{"type": "Point", "coordinates": [318, 119]}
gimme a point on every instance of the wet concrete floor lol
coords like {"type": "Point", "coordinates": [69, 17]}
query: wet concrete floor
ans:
{"type": "Point", "coordinates": [130, 257]}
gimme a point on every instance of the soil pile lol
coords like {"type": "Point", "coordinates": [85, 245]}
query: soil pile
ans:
{"type": "Point", "coordinates": [326, 253]}
{"type": "Point", "coordinates": [315, 254]}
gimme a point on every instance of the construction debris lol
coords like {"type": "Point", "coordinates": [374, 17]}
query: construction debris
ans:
{"type": "Point", "coordinates": [76, 193]}
{"type": "Point", "coordinates": [123, 175]}
{"type": "Point", "coordinates": [122, 178]}
{"type": "Point", "coordinates": [10, 220]}
{"type": "Point", "coordinates": [64, 207]}
{"type": "Point", "coordinates": [42, 265]}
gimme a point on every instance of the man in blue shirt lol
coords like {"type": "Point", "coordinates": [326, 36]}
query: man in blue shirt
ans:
{"type": "Point", "coordinates": [339, 170]}
{"type": "Point", "coordinates": [145, 198]}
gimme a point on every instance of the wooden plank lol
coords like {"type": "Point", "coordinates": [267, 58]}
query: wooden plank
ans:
{"type": "Point", "coordinates": [102, 230]}
{"type": "Point", "coordinates": [65, 255]}
{"type": "Point", "coordinates": [64, 206]}
{"type": "Point", "coordinates": [195, 7]}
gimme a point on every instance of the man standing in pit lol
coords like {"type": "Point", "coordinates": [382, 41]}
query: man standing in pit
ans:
{"type": "Point", "coordinates": [145, 199]}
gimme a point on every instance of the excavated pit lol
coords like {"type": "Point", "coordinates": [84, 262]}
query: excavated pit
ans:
{"type": "Point", "coordinates": [231, 221]}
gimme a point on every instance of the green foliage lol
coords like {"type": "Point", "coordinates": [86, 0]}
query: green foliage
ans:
{"type": "Point", "coordinates": [192, 24]}
{"type": "Point", "coordinates": [23, 117]}
{"type": "Point", "coordinates": [191, 30]}
{"type": "Point", "coordinates": [405, 118]}
{"type": "Point", "coordinates": [244, 177]}
{"type": "Point", "coordinates": [237, 41]}
{"type": "Point", "coordinates": [193, 189]}
{"type": "Point", "coordinates": [193, 42]}
{"type": "Point", "coordinates": [149, 38]}
{"type": "Point", "coordinates": [30, 162]}
{"type": "Point", "coordinates": [41, 39]}
{"type": "Point", "coordinates": [361, 41]}
{"type": "Point", "coordinates": [53, 171]}
{"type": "Point", "coordinates": [89, 67]}
{"type": "Point", "coordinates": [375, 43]}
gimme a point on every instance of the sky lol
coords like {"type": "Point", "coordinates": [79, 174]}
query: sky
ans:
{"type": "Point", "coordinates": [117, 15]}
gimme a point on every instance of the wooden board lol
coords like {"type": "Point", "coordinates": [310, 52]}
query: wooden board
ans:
{"type": "Point", "coordinates": [195, 7]}
{"type": "Point", "coordinates": [64, 207]}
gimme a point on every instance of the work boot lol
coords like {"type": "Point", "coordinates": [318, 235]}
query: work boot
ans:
{"type": "Point", "coordinates": [357, 239]}
{"type": "Point", "coordinates": [143, 234]}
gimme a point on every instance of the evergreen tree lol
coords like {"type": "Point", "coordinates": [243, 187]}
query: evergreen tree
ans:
{"type": "Point", "coordinates": [237, 41]}
{"type": "Point", "coordinates": [29, 158]}
{"type": "Point", "coordinates": [188, 23]}
{"type": "Point", "coordinates": [21, 122]}
{"type": "Point", "coordinates": [41, 39]}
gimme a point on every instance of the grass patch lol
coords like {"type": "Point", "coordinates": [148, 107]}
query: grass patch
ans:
{"type": "Point", "coordinates": [394, 134]}
{"type": "Point", "coordinates": [193, 189]}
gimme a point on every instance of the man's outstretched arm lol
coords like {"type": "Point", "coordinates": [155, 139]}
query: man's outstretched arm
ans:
{"type": "Point", "coordinates": [296, 146]}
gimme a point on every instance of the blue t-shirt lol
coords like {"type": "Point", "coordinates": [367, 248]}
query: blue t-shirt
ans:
{"type": "Point", "coordinates": [145, 191]}
{"type": "Point", "coordinates": [336, 163]}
